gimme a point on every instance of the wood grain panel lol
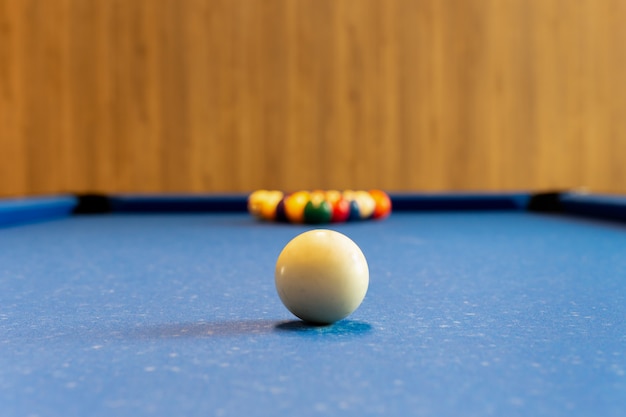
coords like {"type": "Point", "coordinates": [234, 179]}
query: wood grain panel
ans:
{"type": "Point", "coordinates": [12, 147]}
{"type": "Point", "coordinates": [233, 95]}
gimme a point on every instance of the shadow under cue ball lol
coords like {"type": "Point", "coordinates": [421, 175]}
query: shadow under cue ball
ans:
{"type": "Point", "coordinates": [321, 276]}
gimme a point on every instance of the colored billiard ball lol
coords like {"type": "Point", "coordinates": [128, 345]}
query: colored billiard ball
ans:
{"type": "Point", "coordinates": [281, 216]}
{"type": "Point", "coordinates": [353, 204]}
{"type": "Point", "coordinates": [354, 212]}
{"type": "Point", "coordinates": [294, 206]}
{"type": "Point", "coordinates": [366, 202]}
{"type": "Point", "coordinates": [341, 211]}
{"type": "Point", "coordinates": [340, 206]}
{"type": "Point", "coordinates": [321, 276]}
{"type": "Point", "coordinates": [269, 204]}
{"type": "Point", "coordinates": [255, 202]}
{"type": "Point", "coordinates": [317, 210]}
{"type": "Point", "coordinates": [383, 204]}
{"type": "Point", "coordinates": [332, 196]}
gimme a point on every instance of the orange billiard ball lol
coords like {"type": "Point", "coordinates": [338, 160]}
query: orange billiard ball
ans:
{"type": "Point", "coordinates": [383, 204]}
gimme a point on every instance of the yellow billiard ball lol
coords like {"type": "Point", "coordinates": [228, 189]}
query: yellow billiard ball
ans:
{"type": "Point", "coordinates": [294, 206]}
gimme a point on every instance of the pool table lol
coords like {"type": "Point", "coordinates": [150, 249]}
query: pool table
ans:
{"type": "Point", "coordinates": [478, 305]}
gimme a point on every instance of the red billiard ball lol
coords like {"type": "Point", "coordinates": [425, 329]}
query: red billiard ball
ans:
{"type": "Point", "coordinates": [340, 206]}
{"type": "Point", "coordinates": [341, 211]}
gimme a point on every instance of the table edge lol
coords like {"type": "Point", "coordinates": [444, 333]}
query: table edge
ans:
{"type": "Point", "coordinates": [15, 211]}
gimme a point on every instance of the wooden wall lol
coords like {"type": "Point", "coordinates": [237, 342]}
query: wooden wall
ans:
{"type": "Point", "coordinates": [233, 95]}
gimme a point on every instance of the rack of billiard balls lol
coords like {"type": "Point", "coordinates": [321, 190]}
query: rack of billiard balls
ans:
{"type": "Point", "coordinates": [318, 206]}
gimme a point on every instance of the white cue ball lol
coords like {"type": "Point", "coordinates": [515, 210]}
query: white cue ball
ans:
{"type": "Point", "coordinates": [321, 276]}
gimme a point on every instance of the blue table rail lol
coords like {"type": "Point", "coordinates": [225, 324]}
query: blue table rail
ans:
{"type": "Point", "coordinates": [24, 210]}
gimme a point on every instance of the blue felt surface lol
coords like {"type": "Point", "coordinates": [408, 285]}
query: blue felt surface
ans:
{"type": "Point", "coordinates": [26, 210]}
{"type": "Point", "coordinates": [468, 314]}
